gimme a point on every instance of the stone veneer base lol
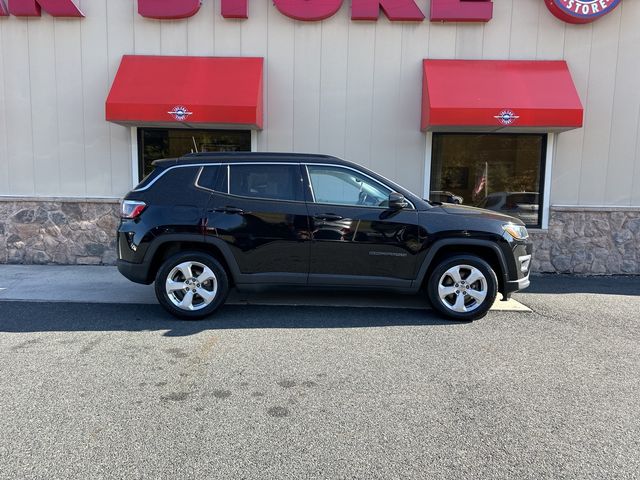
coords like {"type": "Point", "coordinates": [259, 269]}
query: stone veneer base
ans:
{"type": "Point", "coordinates": [58, 231]}
{"type": "Point", "coordinates": [589, 241]}
{"type": "Point", "coordinates": [580, 240]}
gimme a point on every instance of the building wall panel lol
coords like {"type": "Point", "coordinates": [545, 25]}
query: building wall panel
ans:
{"type": "Point", "coordinates": [4, 152]}
{"type": "Point", "coordinates": [95, 81]}
{"type": "Point", "coordinates": [306, 86]}
{"type": "Point", "coordinates": [334, 72]}
{"type": "Point", "coordinates": [341, 87]}
{"type": "Point", "coordinates": [408, 164]}
{"type": "Point", "coordinates": [599, 111]}
{"type": "Point", "coordinates": [71, 124]}
{"type": "Point", "coordinates": [565, 178]}
{"type": "Point", "coordinates": [44, 96]}
{"type": "Point", "coordinates": [120, 34]}
{"type": "Point", "coordinates": [18, 105]}
{"type": "Point", "coordinates": [362, 47]}
{"type": "Point", "coordinates": [626, 106]}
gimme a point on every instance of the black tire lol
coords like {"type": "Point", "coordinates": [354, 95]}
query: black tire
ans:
{"type": "Point", "coordinates": [447, 306]}
{"type": "Point", "coordinates": [218, 285]}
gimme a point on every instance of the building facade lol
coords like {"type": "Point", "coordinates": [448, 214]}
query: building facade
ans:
{"type": "Point", "coordinates": [372, 82]}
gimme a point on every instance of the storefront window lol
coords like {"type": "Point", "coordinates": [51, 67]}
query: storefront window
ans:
{"type": "Point", "coordinates": [501, 172]}
{"type": "Point", "coordinates": [157, 143]}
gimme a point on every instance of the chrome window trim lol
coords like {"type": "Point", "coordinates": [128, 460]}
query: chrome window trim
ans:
{"type": "Point", "coordinates": [307, 165]}
{"type": "Point", "coordinates": [313, 193]}
{"type": "Point", "coordinates": [209, 164]}
{"type": "Point", "coordinates": [201, 165]}
{"type": "Point", "coordinates": [197, 184]}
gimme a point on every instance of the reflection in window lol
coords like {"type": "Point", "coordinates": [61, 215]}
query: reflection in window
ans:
{"type": "Point", "coordinates": [341, 186]}
{"type": "Point", "coordinates": [158, 143]}
{"type": "Point", "coordinates": [500, 172]}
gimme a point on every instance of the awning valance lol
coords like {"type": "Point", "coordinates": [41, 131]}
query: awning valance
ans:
{"type": "Point", "coordinates": [491, 95]}
{"type": "Point", "coordinates": [187, 92]}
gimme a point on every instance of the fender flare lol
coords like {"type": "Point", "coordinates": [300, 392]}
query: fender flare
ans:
{"type": "Point", "coordinates": [440, 244]}
{"type": "Point", "coordinates": [207, 243]}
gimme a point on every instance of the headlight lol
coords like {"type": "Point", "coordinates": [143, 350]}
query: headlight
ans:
{"type": "Point", "coordinates": [516, 231]}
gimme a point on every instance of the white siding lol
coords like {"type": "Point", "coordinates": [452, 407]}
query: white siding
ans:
{"type": "Point", "coordinates": [346, 88]}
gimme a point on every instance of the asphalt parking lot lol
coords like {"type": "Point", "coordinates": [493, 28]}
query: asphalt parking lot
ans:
{"type": "Point", "coordinates": [122, 391]}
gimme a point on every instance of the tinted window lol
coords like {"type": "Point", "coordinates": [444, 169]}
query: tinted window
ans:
{"type": "Point", "coordinates": [208, 176]}
{"type": "Point", "coordinates": [341, 186]}
{"type": "Point", "coordinates": [274, 182]}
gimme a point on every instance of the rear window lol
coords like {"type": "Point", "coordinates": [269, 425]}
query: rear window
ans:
{"type": "Point", "coordinates": [271, 182]}
{"type": "Point", "coordinates": [149, 178]}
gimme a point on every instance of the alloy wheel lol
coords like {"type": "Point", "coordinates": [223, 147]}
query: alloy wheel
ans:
{"type": "Point", "coordinates": [462, 288]}
{"type": "Point", "coordinates": [191, 286]}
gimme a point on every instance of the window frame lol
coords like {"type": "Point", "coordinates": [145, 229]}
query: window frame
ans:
{"type": "Point", "coordinates": [360, 172]}
{"type": "Point", "coordinates": [546, 151]}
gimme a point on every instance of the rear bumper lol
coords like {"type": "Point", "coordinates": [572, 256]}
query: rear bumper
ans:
{"type": "Point", "coordinates": [136, 272]}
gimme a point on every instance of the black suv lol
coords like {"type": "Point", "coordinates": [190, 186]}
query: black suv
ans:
{"type": "Point", "coordinates": [205, 222]}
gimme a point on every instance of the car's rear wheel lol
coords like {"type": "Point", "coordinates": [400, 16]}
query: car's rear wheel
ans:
{"type": "Point", "coordinates": [463, 287]}
{"type": "Point", "coordinates": [191, 285]}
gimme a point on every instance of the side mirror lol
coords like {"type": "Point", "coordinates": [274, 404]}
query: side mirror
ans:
{"type": "Point", "coordinates": [397, 201]}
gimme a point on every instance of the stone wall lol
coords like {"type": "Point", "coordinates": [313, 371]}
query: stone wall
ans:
{"type": "Point", "coordinates": [590, 241]}
{"type": "Point", "coordinates": [82, 232]}
{"type": "Point", "coordinates": [66, 232]}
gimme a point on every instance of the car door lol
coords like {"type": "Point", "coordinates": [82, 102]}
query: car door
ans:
{"type": "Point", "coordinates": [356, 238]}
{"type": "Point", "coordinates": [258, 210]}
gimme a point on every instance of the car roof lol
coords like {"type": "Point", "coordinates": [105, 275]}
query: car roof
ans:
{"type": "Point", "coordinates": [250, 157]}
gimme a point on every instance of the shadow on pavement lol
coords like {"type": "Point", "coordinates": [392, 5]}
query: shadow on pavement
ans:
{"type": "Point", "coordinates": [616, 285]}
{"type": "Point", "coordinates": [22, 317]}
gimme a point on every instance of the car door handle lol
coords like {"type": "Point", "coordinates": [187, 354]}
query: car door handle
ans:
{"type": "Point", "coordinates": [328, 217]}
{"type": "Point", "coordinates": [230, 210]}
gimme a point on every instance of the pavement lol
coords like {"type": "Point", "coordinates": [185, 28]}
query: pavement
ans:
{"type": "Point", "coordinates": [114, 390]}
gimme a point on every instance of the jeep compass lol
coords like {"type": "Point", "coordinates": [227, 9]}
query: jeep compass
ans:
{"type": "Point", "coordinates": [201, 224]}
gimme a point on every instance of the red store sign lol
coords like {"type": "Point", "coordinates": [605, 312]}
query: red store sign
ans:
{"type": "Point", "coordinates": [571, 11]}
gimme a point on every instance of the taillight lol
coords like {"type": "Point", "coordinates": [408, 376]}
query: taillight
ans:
{"type": "Point", "coordinates": [132, 209]}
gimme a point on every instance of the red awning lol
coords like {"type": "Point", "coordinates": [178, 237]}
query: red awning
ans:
{"type": "Point", "coordinates": [499, 94]}
{"type": "Point", "coordinates": [187, 91]}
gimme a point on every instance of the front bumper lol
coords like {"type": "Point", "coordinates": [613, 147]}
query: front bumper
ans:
{"type": "Point", "coordinates": [516, 285]}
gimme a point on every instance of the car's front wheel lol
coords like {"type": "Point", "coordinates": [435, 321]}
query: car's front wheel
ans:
{"type": "Point", "coordinates": [463, 287]}
{"type": "Point", "coordinates": [191, 285]}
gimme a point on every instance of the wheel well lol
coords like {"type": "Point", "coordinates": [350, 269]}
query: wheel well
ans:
{"type": "Point", "coordinates": [168, 249]}
{"type": "Point", "coordinates": [485, 253]}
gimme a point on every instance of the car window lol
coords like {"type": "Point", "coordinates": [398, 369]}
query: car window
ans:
{"type": "Point", "coordinates": [268, 181]}
{"type": "Point", "coordinates": [208, 176]}
{"type": "Point", "coordinates": [342, 186]}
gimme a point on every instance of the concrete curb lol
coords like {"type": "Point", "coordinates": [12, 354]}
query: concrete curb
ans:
{"type": "Point", "coordinates": [103, 284]}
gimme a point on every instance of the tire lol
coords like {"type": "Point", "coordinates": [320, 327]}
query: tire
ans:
{"type": "Point", "coordinates": [451, 294]}
{"type": "Point", "coordinates": [196, 296]}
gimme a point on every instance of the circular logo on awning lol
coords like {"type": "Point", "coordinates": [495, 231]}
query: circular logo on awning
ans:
{"type": "Point", "coordinates": [581, 11]}
{"type": "Point", "coordinates": [180, 113]}
{"type": "Point", "coordinates": [506, 117]}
